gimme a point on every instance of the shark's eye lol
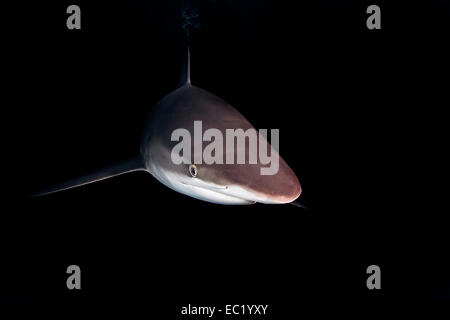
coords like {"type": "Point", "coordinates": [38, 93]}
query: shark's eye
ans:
{"type": "Point", "coordinates": [193, 170]}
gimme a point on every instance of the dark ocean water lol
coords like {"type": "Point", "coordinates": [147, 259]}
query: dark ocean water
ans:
{"type": "Point", "coordinates": [361, 122]}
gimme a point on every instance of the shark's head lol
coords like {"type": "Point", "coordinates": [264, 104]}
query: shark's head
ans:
{"type": "Point", "coordinates": [217, 183]}
{"type": "Point", "coordinates": [227, 183]}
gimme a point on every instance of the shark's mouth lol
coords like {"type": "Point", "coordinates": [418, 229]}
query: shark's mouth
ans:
{"type": "Point", "coordinates": [216, 193]}
{"type": "Point", "coordinates": [205, 185]}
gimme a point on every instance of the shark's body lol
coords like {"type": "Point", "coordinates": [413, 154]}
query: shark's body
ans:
{"type": "Point", "coordinates": [217, 183]}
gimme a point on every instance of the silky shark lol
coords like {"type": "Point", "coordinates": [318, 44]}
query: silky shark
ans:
{"type": "Point", "coordinates": [230, 184]}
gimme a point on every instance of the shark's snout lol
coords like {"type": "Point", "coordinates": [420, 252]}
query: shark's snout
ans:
{"type": "Point", "coordinates": [246, 182]}
{"type": "Point", "coordinates": [284, 187]}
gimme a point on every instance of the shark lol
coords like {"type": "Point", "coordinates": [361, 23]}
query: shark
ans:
{"type": "Point", "coordinates": [226, 184]}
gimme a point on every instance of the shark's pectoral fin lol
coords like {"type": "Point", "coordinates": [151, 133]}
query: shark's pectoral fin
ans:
{"type": "Point", "coordinates": [298, 204]}
{"type": "Point", "coordinates": [108, 172]}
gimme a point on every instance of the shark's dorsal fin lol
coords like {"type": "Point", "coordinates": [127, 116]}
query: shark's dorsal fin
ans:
{"type": "Point", "coordinates": [188, 71]}
{"type": "Point", "coordinates": [185, 79]}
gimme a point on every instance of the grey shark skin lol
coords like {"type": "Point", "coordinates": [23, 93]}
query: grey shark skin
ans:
{"type": "Point", "coordinates": [233, 184]}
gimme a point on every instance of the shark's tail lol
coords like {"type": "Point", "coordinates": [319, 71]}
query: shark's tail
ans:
{"type": "Point", "coordinates": [108, 172]}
